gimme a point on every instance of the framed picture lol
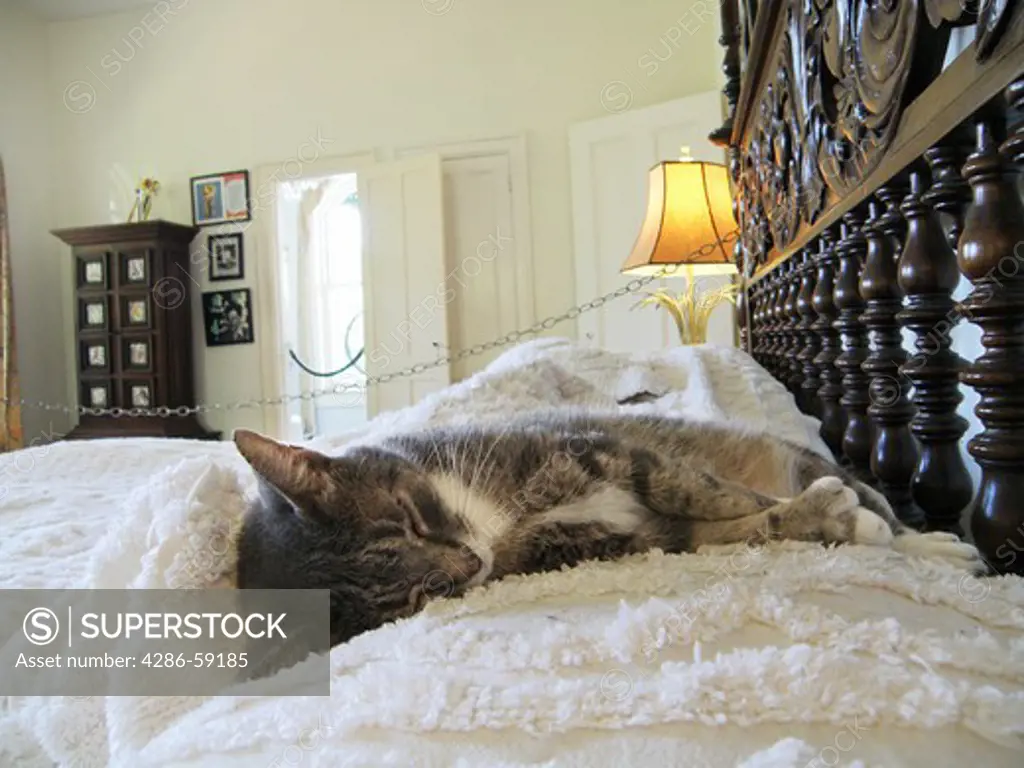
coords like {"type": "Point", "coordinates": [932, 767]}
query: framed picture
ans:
{"type": "Point", "coordinates": [92, 271]}
{"type": "Point", "coordinates": [227, 317]}
{"type": "Point", "coordinates": [141, 396]}
{"type": "Point", "coordinates": [136, 354]}
{"type": "Point", "coordinates": [94, 356]}
{"type": "Point", "coordinates": [135, 311]}
{"type": "Point", "coordinates": [96, 394]}
{"type": "Point", "coordinates": [220, 198]}
{"type": "Point", "coordinates": [226, 256]}
{"type": "Point", "coordinates": [134, 271]}
{"type": "Point", "coordinates": [92, 313]}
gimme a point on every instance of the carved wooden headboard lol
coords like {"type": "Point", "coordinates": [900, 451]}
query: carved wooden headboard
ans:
{"type": "Point", "coordinates": [875, 148]}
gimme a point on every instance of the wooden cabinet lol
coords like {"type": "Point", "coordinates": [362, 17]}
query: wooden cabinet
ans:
{"type": "Point", "coordinates": [133, 327]}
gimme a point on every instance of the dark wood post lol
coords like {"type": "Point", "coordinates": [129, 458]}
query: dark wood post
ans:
{"type": "Point", "coordinates": [990, 256]}
{"type": "Point", "coordinates": [792, 371]}
{"type": "Point", "coordinates": [858, 438]}
{"type": "Point", "coordinates": [833, 417]}
{"type": "Point", "coordinates": [809, 345]}
{"type": "Point", "coordinates": [894, 455]}
{"type": "Point", "coordinates": [928, 275]}
{"type": "Point", "coordinates": [949, 192]}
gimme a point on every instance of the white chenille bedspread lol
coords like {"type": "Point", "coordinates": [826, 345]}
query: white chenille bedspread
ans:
{"type": "Point", "coordinates": [789, 656]}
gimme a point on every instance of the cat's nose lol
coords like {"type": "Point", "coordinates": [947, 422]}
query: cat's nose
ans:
{"type": "Point", "coordinates": [471, 562]}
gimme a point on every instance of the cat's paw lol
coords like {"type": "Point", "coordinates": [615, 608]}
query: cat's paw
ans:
{"type": "Point", "coordinates": [945, 546]}
{"type": "Point", "coordinates": [845, 521]}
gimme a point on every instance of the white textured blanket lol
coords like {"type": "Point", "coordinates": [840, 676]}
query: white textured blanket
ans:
{"type": "Point", "coordinates": [788, 656]}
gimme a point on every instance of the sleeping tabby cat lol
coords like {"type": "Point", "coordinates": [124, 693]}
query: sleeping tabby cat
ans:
{"type": "Point", "coordinates": [434, 513]}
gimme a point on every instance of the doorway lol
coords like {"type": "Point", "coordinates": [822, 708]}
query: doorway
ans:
{"type": "Point", "coordinates": [320, 297]}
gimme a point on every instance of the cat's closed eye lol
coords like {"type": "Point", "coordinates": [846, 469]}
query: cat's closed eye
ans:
{"type": "Point", "coordinates": [416, 525]}
{"type": "Point", "coordinates": [418, 598]}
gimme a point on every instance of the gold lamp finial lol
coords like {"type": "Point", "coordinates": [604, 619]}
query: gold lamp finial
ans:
{"type": "Point", "coordinates": [684, 154]}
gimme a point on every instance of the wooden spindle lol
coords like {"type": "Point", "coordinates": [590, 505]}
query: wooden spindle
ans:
{"type": "Point", "coordinates": [755, 306]}
{"type": "Point", "coordinates": [928, 275]}
{"type": "Point", "coordinates": [949, 193]}
{"type": "Point", "coordinates": [894, 454]}
{"type": "Point", "coordinates": [778, 349]}
{"type": "Point", "coordinates": [775, 321]}
{"type": "Point", "coordinates": [993, 230]}
{"type": "Point", "coordinates": [809, 344]}
{"type": "Point", "coordinates": [762, 321]}
{"type": "Point", "coordinates": [833, 417]}
{"type": "Point", "coordinates": [858, 438]}
{"type": "Point", "coordinates": [742, 324]}
{"type": "Point", "coordinates": [793, 373]}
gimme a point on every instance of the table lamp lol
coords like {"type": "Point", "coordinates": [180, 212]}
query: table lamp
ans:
{"type": "Point", "coordinates": [689, 216]}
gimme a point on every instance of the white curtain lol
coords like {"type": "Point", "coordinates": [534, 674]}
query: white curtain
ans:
{"type": "Point", "coordinates": [309, 258]}
{"type": "Point", "coordinates": [329, 289]}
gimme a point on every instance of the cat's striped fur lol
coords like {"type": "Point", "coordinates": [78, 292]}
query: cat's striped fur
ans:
{"type": "Point", "coordinates": [433, 513]}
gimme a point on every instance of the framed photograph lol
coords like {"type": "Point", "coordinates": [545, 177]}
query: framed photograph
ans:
{"type": "Point", "coordinates": [220, 198]}
{"type": "Point", "coordinates": [97, 356]}
{"type": "Point", "coordinates": [96, 394]}
{"type": "Point", "coordinates": [135, 311]}
{"type": "Point", "coordinates": [227, 317]}
{"type": "Point", "coordinates": [141, 395]}
{"type": "Point", "coordinates": [135, 271]}
{"type": "Point", "coordinates": [136, 354]}
{"type": "Point", "coordinates": [226, 256]}
{"type": "Point", "coordinates": [92, 314]}
{"type": "Point", "coordinates": [92, 272]}
{"type": "Point", "coordinates": [94, 356]}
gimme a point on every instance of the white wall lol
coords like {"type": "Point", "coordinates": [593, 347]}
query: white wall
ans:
{"type": "Point", "coordinates": [227, 84]}
{"type": "Point", "coordinates": [26, 145]}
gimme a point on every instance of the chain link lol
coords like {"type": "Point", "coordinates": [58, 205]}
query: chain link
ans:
{"type": "Point", "coordinates": [633, 286]}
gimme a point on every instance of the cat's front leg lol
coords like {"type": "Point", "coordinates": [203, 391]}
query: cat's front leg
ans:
{"type": "Point", "coordinates": [549, 546]}
{"type": "Point", "coordinates": [831, 512]}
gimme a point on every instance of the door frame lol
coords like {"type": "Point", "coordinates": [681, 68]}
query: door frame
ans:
{"type": "Point", "coordinates": [267, 312]}
{"type": "Point", "coordinates": [514, 149]}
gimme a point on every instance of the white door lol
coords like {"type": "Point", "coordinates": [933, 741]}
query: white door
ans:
{"type": "Point", "coordinates": [406, 290]}
{"type": "Point", "coordinates": [610, 160]}
{"type": "Point", "coordinates": [482, 257]}
{"type": "Point", "coordinates": [487, 233]}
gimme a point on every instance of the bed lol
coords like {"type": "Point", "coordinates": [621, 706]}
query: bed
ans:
{"type": "Point", "coordinates": [778, 656]}
{"type": "Point", "coordinates": [852, 127]}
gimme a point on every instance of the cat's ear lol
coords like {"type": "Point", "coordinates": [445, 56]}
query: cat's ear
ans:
{"type": "Point", "coordinates": [298, 474]}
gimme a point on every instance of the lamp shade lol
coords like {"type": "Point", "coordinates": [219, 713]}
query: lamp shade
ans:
{"type": "Point", "coordinates": [688, 206]}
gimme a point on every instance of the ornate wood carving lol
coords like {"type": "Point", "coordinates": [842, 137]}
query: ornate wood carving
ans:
{"type": "Point", "coordinates": [894, 455]}
{"type": "Point", "coordinates": [858, 438]}
{"type": "Point", "coordinates": [928, 275]}
{"type": "Point", "coordinates": [993, 229]}
{"type": "Point", "coordinates": [992, 20]}
{"type": "Point", "coordinates": [833, 417]}
{"type": "Point", "coordinates": [844, 72]}
{"type": "Point", "coordinates": [809, 342]}
{"type": "Point", "coordinates": [730, 40]}
{"type": "Point", "coordinates": [958, 12]}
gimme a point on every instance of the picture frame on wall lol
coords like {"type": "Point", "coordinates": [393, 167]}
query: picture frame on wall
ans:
{"type": "Point", "coordinates": [226, 256]}
{"type": "Point", "coordinates": [227, 317]}
{"type": "Point", "coordinates": [220, 198]}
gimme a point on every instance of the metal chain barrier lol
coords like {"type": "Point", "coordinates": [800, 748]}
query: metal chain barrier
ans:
{"type": "Point", "coordinates": [633, 286]}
